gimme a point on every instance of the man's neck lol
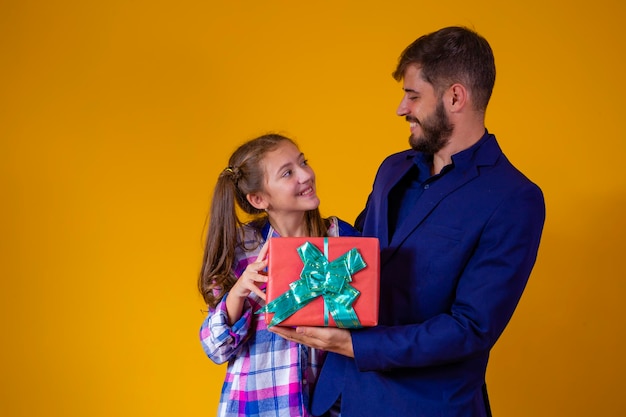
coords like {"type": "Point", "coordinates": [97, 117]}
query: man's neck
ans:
{"type": "Point", "coordinates": [460, 140]}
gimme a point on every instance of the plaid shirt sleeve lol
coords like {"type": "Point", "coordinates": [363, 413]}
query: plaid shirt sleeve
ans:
{"type": "Point", "coordinates": [221, 341]}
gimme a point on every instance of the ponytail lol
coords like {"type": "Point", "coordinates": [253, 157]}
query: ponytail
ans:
{"type": "Point", "coordinates": [216, 276]}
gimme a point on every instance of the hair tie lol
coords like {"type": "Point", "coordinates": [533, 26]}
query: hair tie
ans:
{"type": "Point", "coordinates": [232, 173]}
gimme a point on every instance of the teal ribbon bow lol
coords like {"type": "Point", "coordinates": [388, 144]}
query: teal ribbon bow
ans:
{"type": "Point", "coordinates": [319, 277]}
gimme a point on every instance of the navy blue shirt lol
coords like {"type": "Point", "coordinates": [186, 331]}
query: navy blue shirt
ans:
{"type": "Point", "coordinates": [418, 180]}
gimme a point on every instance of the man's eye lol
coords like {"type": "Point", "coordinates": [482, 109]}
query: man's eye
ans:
{"type": "Point", "coordinates": [413, 98]}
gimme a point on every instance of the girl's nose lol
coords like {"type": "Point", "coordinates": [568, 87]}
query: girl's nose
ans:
{"type": "Point", "coordinates": [306, 174]}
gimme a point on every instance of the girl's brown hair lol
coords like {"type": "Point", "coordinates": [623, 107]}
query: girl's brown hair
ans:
{"type": "Point", "coordinates": [244, 175]}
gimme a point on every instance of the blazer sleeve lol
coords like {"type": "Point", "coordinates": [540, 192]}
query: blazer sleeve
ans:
{"type": "Point", "coordinates": [487, 292]}
{"type": "Point", "coordinates": [360, 219]}
{"type": "Point", "coordinates": [345, 229]}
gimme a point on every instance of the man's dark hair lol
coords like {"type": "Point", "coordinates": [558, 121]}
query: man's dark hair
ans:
{"type": "Point", "coordinates": [453, 55]}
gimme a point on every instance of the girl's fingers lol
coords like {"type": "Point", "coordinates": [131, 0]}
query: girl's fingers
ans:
{"type": "Point", "coordinates": [260, 270]}
{"type": "Point", "coordinates": [263, 251]}
{"type": "Point", "coordinates": [256, 267]}
{"type": "Point", "coordinates": [254, 274]}
{"type": "Point", "coordinates": [259, 292]}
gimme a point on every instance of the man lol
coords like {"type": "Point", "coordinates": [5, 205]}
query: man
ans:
{"type": "Point", "coordinates": [459, 229]}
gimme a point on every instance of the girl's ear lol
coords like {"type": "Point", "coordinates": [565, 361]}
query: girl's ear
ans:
{"type": "Point", "coordinates": [258, 201]}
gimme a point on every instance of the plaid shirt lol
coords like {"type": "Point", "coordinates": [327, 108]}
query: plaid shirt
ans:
{"type": "Point", "coordinates": [267, 376]}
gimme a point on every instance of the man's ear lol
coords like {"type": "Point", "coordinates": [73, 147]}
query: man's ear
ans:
{"type": "Point", "coordinates": [257, 201]}
{"type": "Point", "coordinates": [457, 97]}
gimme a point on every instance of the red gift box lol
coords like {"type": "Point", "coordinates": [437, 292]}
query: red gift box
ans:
{"type": "Point", "coordinates": [316, 268]}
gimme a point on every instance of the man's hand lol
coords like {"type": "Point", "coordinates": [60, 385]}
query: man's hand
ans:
{"type": "Point", "coordinates": [331, 339]}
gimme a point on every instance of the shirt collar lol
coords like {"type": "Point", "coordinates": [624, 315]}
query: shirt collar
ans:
{"type": "Point", "coordinates": [464, 158]}
{"type": "Point", "coordinates": [461, 159]}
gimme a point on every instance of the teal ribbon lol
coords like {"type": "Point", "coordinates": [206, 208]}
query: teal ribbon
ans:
{"type": "Point", "coordinates": [319, 277]}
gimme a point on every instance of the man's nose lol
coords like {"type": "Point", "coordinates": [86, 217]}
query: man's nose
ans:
{"type": "Point", "coordinates": [402, 109]}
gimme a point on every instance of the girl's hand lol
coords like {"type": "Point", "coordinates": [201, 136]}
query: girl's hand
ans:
{"type": "Point", "coordinates": [250, 281]}
{"type": "Point", "coordinates": [253, 277]}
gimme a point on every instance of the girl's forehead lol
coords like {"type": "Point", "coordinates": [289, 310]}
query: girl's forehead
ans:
{"type": "Point", "coordinates": [284, 150]}
{"type": "Point", "coordinates": [284, 155]}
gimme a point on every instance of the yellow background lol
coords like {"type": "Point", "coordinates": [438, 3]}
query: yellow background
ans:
{"type": "Point", "coordinates": [117, 116]}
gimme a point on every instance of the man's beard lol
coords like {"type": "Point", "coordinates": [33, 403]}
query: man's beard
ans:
{"type": "Point", "coordinates": [436, 132]}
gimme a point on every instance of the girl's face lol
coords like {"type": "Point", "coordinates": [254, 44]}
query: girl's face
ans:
{"type": "Point", "coordinates": [289, 181]}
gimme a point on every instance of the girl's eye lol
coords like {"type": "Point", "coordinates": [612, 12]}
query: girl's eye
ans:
{"type": "Point", "coordinates": [305, 162]}
{"type": "Point", "coordinates": [287, 173]}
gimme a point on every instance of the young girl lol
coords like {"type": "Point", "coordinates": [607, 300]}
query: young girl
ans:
{"type": "Point", "coordinates": [269, 179]}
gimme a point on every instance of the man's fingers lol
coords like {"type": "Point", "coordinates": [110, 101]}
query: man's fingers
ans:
{"type": "Point", "coordinates": [308, 331]}
{"type": "Point", "coordinates": [327, 338]}
{"type": "Point", "coordinates": [298, 335]}
{"type": "Point", "coordinates": [287, 333]}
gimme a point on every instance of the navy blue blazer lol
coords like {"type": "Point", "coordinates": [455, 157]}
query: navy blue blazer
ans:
{"type": "Point", "coordinates": [451, 277]}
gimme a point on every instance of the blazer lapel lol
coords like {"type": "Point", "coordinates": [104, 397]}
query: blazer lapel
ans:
{"type": "Point", "coordinates": [396, 175]}
{"type": "Point", "coordinates": [487, 154]}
